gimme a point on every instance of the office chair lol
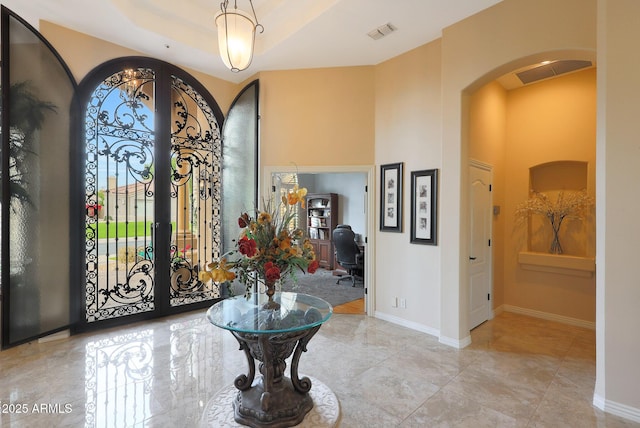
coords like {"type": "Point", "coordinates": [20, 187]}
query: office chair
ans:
{"type": "Point", "coordinates": [347, 252]}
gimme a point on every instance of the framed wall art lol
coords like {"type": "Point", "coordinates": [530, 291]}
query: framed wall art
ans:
{"type": "Point", "coordinates": [391, 197]}
{"type": "Point", "coordinates": [424, 207]}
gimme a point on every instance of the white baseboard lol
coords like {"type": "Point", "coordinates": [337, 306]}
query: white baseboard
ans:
{"type": "Point", "coordinates": [497, 311]}
{"type": "Point", "coordinates": [622, 410]}
{"type": "Point", "coordinates": [455, 343]}
{"type": "Point", "coordinates": [409, 324]}
{"type": "Point", "coordinates": [548, 316]}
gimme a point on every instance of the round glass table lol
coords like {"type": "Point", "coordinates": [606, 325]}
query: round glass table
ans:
{"type": "Point", "coordinates": [270, 336]}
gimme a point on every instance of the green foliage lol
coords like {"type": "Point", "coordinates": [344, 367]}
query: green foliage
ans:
{"type": "Point", "coordinates": [27, 115]}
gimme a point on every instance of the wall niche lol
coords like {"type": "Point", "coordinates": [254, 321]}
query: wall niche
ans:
{"type": "Point", "coordinates": [576, 236]}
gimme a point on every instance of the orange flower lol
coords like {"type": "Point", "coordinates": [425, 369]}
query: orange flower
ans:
{"type": "Point", "coordinates": [264, 217]}
{"type": "Point", "coordinates": [296, 195]}
{"type": "Point", "coordinates": [285, 244]}
{"type": "Point", "coordinates": [292, 198]}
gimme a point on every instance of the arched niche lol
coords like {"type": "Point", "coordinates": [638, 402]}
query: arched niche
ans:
{"type": "Point", "coordinates": [559, 175]}
{"type": "Point", "coordinates": [551, 178]}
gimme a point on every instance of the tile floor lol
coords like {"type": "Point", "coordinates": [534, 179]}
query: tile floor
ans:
{"type": "Point", "coordinates": [519, 371]}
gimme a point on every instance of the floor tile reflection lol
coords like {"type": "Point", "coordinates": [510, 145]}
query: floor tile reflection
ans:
{"type": "Point", "coordinates": [519, 371]}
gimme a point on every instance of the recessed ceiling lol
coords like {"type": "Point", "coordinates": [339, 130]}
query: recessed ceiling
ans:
{"type": "Point", "coordinates": [297, 33]}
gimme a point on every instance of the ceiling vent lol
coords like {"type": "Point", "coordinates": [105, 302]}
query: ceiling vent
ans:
{"type": "Point", "coordinates": [552, 69]}
{"type": "Point", "coordinates": [382, 31]}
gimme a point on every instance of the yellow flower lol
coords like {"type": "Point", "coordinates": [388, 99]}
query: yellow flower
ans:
{"type": "Point", "coordinates": [302, 192]}
{"type": "Point", "coordinates": [219, 272]}
{"type": "Point", "coordinates": [307, 244]}
{"type": "Point", "coordinates": [220, 275]}
{"type": "Point", "coordinates": [296, 195]}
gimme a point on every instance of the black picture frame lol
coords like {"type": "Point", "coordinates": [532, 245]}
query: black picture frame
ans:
{"type": "Point", "coordinates": [391, 178]}
{"type": "Point", "coordinates": [424, 207]}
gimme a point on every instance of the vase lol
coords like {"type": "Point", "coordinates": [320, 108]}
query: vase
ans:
{"type": "Point", "coordinates": [556, 248]}
{"type": "Point", "coordinates": [270, 290]}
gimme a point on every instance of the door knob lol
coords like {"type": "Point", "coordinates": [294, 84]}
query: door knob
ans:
{"type": "Point", "coordinates": [472, 258]}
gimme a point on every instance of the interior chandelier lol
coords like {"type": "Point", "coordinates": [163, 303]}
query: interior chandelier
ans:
{"type": "Point", "coordinates": [236, 35]}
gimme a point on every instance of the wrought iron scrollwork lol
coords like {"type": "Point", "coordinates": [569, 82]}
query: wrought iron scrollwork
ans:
{"type": "Point", "coordinates": [195, 192]}
{"type": "Point", "coordinates": [119, 169]}
{"type": "Point", "coordinates": [120, 185]}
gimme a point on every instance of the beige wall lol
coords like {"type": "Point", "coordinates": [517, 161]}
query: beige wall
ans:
{"type": "Point", "coordinates": [83, 53]}
{"type": "Point", "coordinates": [317, 117]}
{"type": "Point", "coordinates": [618, 233]}
{"type": "Point", "coordinates": [549, 121]}
{"type": "Point", "coordinates": [408, 129]}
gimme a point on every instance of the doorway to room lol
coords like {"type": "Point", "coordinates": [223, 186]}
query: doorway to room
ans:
{"type": "Point", "coordinates": [352, 185]}
{"type": "Point", "coordinates": [520, 128]}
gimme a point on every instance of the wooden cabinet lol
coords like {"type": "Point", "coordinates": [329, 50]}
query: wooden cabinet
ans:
{"type": "Point", "coordinates": [322, 218]}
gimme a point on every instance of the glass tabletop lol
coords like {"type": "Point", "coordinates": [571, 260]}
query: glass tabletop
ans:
{"type": "Point", "coordinates": [246, 315]}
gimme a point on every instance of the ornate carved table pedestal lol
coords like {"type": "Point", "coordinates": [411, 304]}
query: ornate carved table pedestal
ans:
{"type": "Point", "coordinates": [270, 336]}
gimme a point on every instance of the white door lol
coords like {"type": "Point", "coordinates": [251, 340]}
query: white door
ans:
{"type": "Point", "coordinates": [480, 275]}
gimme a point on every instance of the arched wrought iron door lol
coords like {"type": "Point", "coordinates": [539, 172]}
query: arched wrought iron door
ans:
{"type": "Point", "coordinates": [152, 145]}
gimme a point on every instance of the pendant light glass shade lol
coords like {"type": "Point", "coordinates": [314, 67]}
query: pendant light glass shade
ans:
{"type": "Point", "coordinates": [236, 37]}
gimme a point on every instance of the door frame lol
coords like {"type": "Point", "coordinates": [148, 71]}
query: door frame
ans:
{"type": "Point", "coordinates": [474, 163]}
{"type": "Point", "coordinates": [369, 171]}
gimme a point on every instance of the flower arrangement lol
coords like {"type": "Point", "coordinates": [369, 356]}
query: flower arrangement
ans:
{"type": "Point", "coordinates": [568, 205]}
{"type": "Point", "coordinates": [268, 248]}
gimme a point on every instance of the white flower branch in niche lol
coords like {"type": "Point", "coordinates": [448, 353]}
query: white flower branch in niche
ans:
{"type": "Point", "coordinates": [568, 205]}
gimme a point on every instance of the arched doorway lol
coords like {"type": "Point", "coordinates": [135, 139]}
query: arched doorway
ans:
{"type": "Point", "coordinates": [514, 126]}
{"type": "Point", "coordinates": [150, 185]}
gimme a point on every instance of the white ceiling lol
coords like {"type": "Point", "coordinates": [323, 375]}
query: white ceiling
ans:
{"type": "Point", "coordinates": [297, 33]}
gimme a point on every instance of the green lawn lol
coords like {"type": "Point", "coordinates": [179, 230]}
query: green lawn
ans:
{"type": "Point", "coordinates": [122, 229]}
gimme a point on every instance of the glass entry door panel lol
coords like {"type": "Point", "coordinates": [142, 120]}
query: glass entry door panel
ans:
{"type": "Point", "coordinates": [120, 194]}
{"type": "Point", "coordinates": [194, 194]}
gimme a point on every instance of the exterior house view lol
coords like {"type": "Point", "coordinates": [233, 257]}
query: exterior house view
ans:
{"type": "Point", "coordinates": [478, 325]}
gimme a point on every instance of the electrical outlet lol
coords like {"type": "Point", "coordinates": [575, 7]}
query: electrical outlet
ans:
{"type": "Point", "coordinates": [394, 302]}
{"type": "Point", "coordinates": [403, 303]}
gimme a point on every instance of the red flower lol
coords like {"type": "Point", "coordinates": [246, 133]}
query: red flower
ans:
{"type": "Point", "coordinates": [313, 266]}
{"type": "Point", "coordinates": [272, 273]}
{"type": "Point", "coordinates": [247, 246]}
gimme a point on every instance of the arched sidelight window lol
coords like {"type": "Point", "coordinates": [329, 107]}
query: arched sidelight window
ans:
{"type": "Point", "coordinates": [37, 89]}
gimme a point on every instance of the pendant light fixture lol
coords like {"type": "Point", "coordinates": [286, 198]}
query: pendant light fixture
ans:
{"type": "Point", "coordinates": [236, 35]}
